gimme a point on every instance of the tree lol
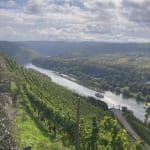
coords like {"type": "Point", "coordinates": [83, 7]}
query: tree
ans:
{"type": "Point", "coordinates": [147, 112]}
{"type": "Point", "coordinates": [126, 91]}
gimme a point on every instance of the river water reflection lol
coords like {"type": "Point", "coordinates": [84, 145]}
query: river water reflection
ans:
{"type": "Point", "coordinates": [110, 98]}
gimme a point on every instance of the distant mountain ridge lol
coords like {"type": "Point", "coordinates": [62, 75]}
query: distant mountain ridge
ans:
{"type": "Point", "coordinates": [60, 48]}
{"type": "Point", "coordinates": [24, 52]}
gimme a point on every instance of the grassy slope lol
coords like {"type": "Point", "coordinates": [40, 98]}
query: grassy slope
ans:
{"type": "Point", "coordinates": [28, 129]}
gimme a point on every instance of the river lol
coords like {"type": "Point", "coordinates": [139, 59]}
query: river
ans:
{"type": "Point", "coordinates": [110, 98]}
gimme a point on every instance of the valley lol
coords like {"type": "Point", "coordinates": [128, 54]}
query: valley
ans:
{"type": "Point", "coordinates": [45, 112]}
{"type": "Point", "coordinates": [74, 74]}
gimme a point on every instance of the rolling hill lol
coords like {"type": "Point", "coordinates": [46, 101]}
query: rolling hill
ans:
{"type": "Point", "coordinates": [18, 52]}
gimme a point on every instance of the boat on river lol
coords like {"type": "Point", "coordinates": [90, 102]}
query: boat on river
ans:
{"type": "Point", "coordinates": [99, 95]}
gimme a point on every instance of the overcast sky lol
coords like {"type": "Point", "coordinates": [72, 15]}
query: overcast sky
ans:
{"type": "Point", "coordinates": [75, 20]}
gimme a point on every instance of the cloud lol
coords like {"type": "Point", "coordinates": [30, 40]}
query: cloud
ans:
{"type": "Point", "coordinates": [7, 3]}
{"type": "Point", "coordinates": [137, 11]}
{"type": "Point", "coordinates": [36, 6]}
{"type": "Point", "coordinates": [97, 20]}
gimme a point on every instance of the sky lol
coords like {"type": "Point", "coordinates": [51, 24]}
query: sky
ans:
{"type": "Point", "coordinates": [75, 20]}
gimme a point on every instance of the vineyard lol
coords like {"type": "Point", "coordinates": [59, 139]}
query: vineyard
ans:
{"type": "Point", "coordinates": [45, 113]}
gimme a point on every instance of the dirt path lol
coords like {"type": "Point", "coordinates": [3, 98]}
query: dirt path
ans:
{"type": "Point", "coordinates": [119, 115]}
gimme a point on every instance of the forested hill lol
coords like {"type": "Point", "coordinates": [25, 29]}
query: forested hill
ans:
{"type": "Point", "coordinates": [69, 49]}
{"type": "Point", "coordinates": [44, 115]}
{"type": "Point", "coordinates": [20, 53]}
{"type": "Point", "coordinates": [24, 52]}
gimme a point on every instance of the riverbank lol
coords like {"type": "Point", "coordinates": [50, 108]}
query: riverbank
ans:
{"type": "Point", "coordinates": [106, 72]}
{"type": "Point", "coordinates": [110, 98]}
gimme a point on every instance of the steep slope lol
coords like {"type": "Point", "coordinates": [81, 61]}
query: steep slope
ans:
{"type": "Point", "coordinates": [20, 53]}
{"type": "Point", "coordinates": [7, 142]}
{"type": "Point", "coordinates": [45, 115]}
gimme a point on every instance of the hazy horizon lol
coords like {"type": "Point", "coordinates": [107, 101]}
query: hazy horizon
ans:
{"type": "Point", "coordinates": [73, 41]}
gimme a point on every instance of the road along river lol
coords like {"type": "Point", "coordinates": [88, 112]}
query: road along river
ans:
{"type": "Point", "coordinates": [110, 98]}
